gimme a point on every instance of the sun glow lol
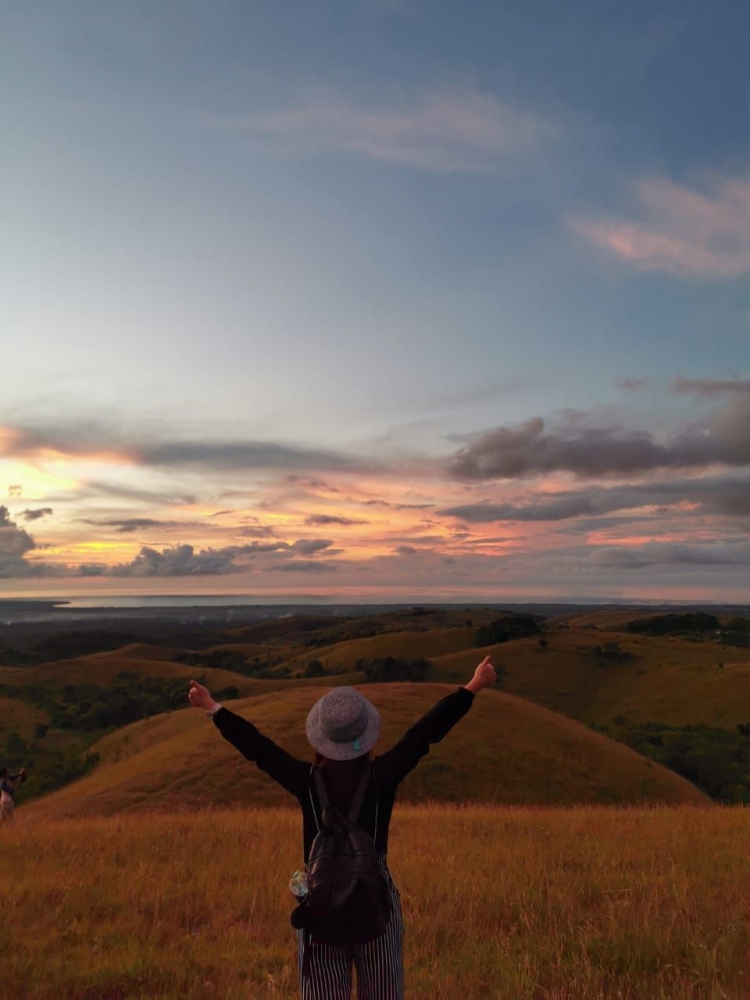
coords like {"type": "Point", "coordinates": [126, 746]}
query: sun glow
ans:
{"type": "Point", "coordinates": [32, 482]}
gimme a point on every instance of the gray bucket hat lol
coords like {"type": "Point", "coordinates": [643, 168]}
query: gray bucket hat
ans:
{"type": "Point", "coordinates": [343, 724]}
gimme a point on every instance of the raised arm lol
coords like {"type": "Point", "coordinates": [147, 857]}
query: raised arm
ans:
{"type": "Point", "coordinates": [393, 766]}
{"type": "Point", "coordinates": [290, 773]}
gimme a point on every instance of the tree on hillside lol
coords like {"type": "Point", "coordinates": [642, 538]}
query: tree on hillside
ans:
{"type": "Point", "coordinates": [507, 629]}
{"type": "Point", "coordinates": [694, 622]}
{"type": "Point", "coordinates": [716, 760]}
{"type": "Point", "coordinates": [738, 625]}
{"type": "Point", "coordinates": [394, 668]}
{"type": "Point", "coordinates": [611, 652]}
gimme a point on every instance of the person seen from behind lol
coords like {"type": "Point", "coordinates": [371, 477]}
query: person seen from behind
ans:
{"type": "Point", "coordinates": [8, 784]}
{"type": "Point", "coordinates": [350, 912]}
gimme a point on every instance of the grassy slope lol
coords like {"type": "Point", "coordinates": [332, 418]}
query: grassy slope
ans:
{"type": "Point", "coordinates": [145, 651]}
{"type": "Point", "coordinates": [343, 655]}
{"type": "Point", "coordinates": [101, 668]}
{"type": "Point", "coordinates": [669, 680]}
{"type": "Point", "coordinates": [18, 716]}
{"type": "Point", "coordinates": [508, 750]}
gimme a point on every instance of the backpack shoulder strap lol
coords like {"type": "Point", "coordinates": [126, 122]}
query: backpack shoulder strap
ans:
{"type": "Point", "coordinates": [320, 787]}
{"type": "Point", "coordinates": [359, 795]}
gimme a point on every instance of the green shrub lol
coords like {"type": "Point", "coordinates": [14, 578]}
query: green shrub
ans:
{"type": "Point", "coordinates": [394, 668]}
{"type": "Point", "coordinates": [507, 629]}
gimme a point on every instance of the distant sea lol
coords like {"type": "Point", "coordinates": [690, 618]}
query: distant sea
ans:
{"type": "Point", "coordinates": [187, 601]}
{"type": "Point", "coordinates": [174, 607]}
{"type": "Point", "coordinates": [254, 606]}
{"type": "Point", "coordinates": [152, 602]}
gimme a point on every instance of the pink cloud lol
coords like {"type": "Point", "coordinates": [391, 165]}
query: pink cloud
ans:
{"type": "Point", "coordinates": [685, 232]}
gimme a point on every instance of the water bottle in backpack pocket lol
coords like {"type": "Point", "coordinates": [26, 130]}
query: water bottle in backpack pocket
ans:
{"type": "Point", "coordinates": [298, 885]}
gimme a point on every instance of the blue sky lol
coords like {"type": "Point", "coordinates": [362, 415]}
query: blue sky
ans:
{"type": "Point", "coordinates": [383, 231]}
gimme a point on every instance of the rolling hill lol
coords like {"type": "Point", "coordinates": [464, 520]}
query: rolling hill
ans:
{"type": "Point", "coordinates": [668, 679]}
{"type": "Point", "coordinates": [507, 751]}
{"type": "Point", "coordinates": [101, 668]}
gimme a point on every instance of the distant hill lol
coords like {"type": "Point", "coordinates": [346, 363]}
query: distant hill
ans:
{"type": "Point", "coordinates": [664, 678]}
{"type": "Point", "coordinates": [101, 668]}
{"type": "Point", "coordinates": [507, 750]}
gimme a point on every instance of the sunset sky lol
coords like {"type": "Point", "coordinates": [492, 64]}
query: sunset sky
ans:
{"type": "Point", "coordinates": [375, 299]}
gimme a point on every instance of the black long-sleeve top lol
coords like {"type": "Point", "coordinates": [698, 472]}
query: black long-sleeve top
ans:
{"type": "Point", "coordinates": [342, 777]}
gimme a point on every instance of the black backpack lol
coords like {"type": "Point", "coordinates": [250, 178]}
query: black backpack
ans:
{"type": "Point", "coordinates": [349, 899]}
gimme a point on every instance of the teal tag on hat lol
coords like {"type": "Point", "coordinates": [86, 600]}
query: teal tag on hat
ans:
{"type": "Point", "coordinates": [355, 745]}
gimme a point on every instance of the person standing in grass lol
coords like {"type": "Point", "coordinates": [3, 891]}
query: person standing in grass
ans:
{"type": "Point", "coordinates": [342, 728]}
{"type": "Point", "coordinates": [8, 783]}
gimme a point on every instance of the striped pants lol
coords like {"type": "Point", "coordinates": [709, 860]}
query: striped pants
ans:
{"type": "Point", "coordinates": [379, 964]}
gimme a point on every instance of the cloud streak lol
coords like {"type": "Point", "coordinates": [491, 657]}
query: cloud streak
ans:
{"type": "Point", "coordinates": [711, 388]}
{"type": "Point", "coordinates": [682, 231]}
{"type": "Point", "coordinates": [36, 514]}
{"type": "Point", "coordinates": [320, 520]}
{"type": "Point", "coordinates": [128, 525]}
{"type": "Point", "coordinates": [92, 439]}
{"type": "Point", "coordinates": [446, 131]}
{"type": "Point", "coordinates": [723, 495]}
{"type": "Point", "coordinates": [669, 554]}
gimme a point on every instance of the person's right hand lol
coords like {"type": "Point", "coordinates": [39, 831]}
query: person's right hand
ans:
{"type": "Point", "coordinates": [200, 697]}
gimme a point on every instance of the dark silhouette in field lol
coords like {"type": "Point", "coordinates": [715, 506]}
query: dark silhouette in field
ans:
{"type": "Point", "coordinates": [8, 784]}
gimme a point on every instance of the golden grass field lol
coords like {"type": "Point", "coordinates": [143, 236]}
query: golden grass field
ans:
{"type": "Point", "coordinates": [514, 903]}
{"type": "Point", "coordinates": [163, 873]}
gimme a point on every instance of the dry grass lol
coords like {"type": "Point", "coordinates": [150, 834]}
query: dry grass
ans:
{"type": "Point", "coordinates": [510, 904]}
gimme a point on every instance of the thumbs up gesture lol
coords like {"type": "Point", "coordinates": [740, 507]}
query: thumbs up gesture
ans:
{"type": "Point", "coordinates": [200, 697]}
{"type": "Point", "coordinates": [484, 676]}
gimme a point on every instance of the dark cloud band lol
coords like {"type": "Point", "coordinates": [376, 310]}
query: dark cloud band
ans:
{"type": "Point", "coordinates": [587, 452]}
{"type": "Point", "coordinates": [91, 437]}
{"type": "Point", "coordinates": [724, 495]}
